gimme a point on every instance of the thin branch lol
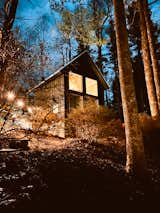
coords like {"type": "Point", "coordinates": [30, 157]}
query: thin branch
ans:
{"type": "Point", "coordinates": [31, 3]}
{"type": "Point", "coordinates": [134, 15]}
{"type": "Point", "coordinates": [153, 2]}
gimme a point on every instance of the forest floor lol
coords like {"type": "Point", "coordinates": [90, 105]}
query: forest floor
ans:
{"type": "Point", "coordinates": [73, 175]}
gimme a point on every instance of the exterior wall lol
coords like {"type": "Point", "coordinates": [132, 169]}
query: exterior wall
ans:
{"type": "Point", "coordinates": [51, 95]}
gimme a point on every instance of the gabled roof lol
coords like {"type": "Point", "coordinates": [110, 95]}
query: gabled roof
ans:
{"type": "Point", "coordinates": [61, 69]}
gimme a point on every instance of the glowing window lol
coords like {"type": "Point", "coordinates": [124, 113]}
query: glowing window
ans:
{"type": "Point", "coordinates": [55, 108]}
{"type": "Point", "coordinates": [91, 87]}
{"type": "Point", "coordinates": [75, 82]}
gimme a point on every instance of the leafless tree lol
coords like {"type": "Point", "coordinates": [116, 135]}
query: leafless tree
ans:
{"type": "Point", "coordinates": [147, 65]}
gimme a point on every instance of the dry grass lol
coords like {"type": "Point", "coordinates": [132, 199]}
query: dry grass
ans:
{"type": "Point", "coordinates": [148, 124]}
{"type": "Point", "coordinates": [40, 143]}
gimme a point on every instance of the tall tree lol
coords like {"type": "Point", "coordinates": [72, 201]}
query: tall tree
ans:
{"type": "Point", "coordinates": [66, 28]}
{"type": "Point", "coordinates": [147, 65]}
{"type": "Point", "coordinates": [134, 144]}
{"type": "Point", "coordinates": [8, 13]}
{"type": "Point", "coordinates": [86, 24]}
{"type": "Point", "coordinates": [7, 18]}
{"type": "Point", "coordinates": [101, 13]}
{"type": "Point", "coordinates": [134, 34]}
{"type": "Point", "coordinates": [112, 60]}
{"type": "Point", "coordinates": [38, 50]}
{"type": "Point", "coordinates": [152, 50]}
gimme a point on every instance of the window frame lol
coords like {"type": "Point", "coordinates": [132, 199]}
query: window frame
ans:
{"type": "Point", "coordinates": [69, 85]}
{"type": "Point", "coordinates": [91, 94]}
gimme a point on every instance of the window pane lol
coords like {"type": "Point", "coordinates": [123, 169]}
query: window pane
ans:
{"type": "Point", "coordinates": [91, 87]}
{"type": "Point", "coordinates": [75, 82]}
{"type": "Point", "coordinates": [55, 108]}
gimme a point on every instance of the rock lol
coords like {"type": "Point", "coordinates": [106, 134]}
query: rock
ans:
{"type": "Point", "coordinates": [19, 144]}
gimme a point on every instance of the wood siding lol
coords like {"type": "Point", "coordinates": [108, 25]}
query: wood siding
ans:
{"type": "Point", "coordinates": [50, 93]}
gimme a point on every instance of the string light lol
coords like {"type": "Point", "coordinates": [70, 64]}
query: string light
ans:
{"type": "Point", "coordinates": [20, 103]}
{"type": "Point", "coordinates": [10, 96]}
{"type": "Point", "coordinates": [29, 109]}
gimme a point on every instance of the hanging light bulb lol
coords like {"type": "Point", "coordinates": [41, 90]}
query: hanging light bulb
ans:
{"type": "Point", "coordinates": [10, 95]}
{"type": "Point", "coordinates": [29, 109]}
{"type": "Point", "coordinates": [20, 103]}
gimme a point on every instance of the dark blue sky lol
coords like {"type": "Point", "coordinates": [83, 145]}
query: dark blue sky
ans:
{"type": "Point", "coordinates": [35, 8]}
{"type": "Point", "coordinates": [156, 11]}
{"type": "Point", "coordinates": [31, 10]}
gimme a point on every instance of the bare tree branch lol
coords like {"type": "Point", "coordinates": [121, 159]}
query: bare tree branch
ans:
{"type": "Point", "coordinates": [153, 2]}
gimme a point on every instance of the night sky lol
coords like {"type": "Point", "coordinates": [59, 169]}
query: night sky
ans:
{"type": "Point", "coordinates": [29, 12]}
{"type": "Point", "coordinates": [36, 8]}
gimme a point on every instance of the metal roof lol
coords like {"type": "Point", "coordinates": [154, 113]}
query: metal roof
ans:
{"type": "Point", "coordinates": [59, 71]}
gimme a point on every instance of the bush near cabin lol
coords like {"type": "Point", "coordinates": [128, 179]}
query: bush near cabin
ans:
{"type": "Point", "coordinates": [150, 129]}
{"type": "Point", "coordinates": [42, 120]}
{"type": "Point", "coordinates": [92, 122]}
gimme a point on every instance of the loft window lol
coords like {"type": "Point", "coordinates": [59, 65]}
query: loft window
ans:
{"type": "Point", "coordinates": [91, 87]}
{"type": "Point", "coordinates": [75, 82]}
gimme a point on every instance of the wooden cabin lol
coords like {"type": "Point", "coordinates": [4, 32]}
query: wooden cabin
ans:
{"type": "Point", "coordinates": [69, 87]}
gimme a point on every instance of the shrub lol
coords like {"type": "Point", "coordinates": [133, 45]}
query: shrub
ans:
{"type": "Point", "coordinates": [93, 122]}
{"type": "Point", "coordinates": [114, 128]}
{"type": "Point", "coordinates": [150, 128]}
{"type": "Point", "coordinates": [42, 119]}
{"type": "Point", "coordinates": [148, 124]}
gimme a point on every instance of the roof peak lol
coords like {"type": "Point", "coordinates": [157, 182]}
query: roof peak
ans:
{"type": "Point", "coordinates": [59, 70]}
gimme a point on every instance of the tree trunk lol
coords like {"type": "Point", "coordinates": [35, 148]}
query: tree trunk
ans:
{"type": "Point", "coordinates": [70, 49]}
{"type": "Point", "coordinates": [10, 7]}
{"type": "Point", "coordinates": [152, 51]}
{"type": "Point", "coordinates": [147, 65]}
{"type": "Point", "coordinates": [135, 163]}
{"type": "Point", "coordinates": [99, 59]}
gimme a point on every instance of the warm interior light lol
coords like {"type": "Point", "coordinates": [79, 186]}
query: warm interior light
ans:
{"type": "Point", "coordinates": [20, 103]}
{"type": "Point", "coordinates": [91, 87]}
{"type": "Point", "coordinates": [75, 82]}
{"type": "Point", "coordinates": [10, 96]}
{"type": "Point", "coordinates": [29, 109]}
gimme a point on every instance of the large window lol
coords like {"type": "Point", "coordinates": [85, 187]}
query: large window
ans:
{"type": "Point", "coordinates": [91, 87]}
{"type": "Point", "coordinates": [75, 82]}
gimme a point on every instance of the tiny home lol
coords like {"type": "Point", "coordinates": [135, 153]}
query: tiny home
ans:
{"type": "Point", "coordinates": [70, 86]}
